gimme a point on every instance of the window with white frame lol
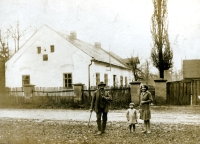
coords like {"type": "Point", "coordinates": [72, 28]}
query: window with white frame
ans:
{"type": "Point", "coordinates": [67, 80]}
{"type": "Point", "coordinates": [52, 48]}
{"type": "Point", "coordinates": [45, 57]}
{"type": "Point", "coordinates": [106, 79]}
{"type": "Point", "coordinates": [38, 50]}
{"type": "Point", "coordinates": [121, 80]}
{"type": "Point", "coordinates": [114, 80]}
{"type": "Point", "coordinates": [25, 79]}
{"type": "Point", "coordinates": [97, 78]}
{"type": "Point", "coordinates": [126, 82]}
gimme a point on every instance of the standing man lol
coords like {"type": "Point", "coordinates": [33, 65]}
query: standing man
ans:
{"type": "Point", "coordinates": [100, 104]}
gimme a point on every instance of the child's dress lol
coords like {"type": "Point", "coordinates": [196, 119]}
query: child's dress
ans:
{"type": "Point", "coordinates": [131, 116]}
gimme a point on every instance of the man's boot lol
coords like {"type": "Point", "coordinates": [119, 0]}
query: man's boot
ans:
{"type": "Point", "coordinates": [104, 126]}
{"type": "Point", "coordinates": [130, 127]}
{"type": "Point", "coordinates": [99, 128]}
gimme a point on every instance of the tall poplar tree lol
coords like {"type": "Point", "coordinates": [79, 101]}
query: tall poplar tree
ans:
{"type": "Point", "coordinates": [161, 52]}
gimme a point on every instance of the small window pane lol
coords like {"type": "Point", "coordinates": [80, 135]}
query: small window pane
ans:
{"type": "Point", "coordinates": [97, 78]}
{"type": "Point", "coordinates": [67, 79]}
{"type": "Point", "coordinates": [25, 79]}
{"type": "Point", "coordinates": [106, 79]}
{"type": "Point", "coordinates": [121, 80]}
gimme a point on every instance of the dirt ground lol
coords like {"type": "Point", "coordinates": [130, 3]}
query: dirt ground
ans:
{"type": "Point", "coordinates": [169, 125]}
{"type": "Point", "coordinates": [164, 114]}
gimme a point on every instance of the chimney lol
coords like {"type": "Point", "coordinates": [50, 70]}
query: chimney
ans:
{"type": "Point", "coordinates": [73, 35]}
{"type": "Point", "coordinates": [97, 45]}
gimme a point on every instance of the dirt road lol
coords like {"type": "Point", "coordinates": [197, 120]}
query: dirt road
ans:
{"type": "Point", "coordinates": [164, 115]}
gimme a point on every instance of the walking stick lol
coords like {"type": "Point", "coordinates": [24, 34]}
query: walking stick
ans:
{"type": "Point", "coordinates": [89, 118]}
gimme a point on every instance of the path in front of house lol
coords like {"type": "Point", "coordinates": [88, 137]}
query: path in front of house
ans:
{"type": "Point", "coordinates": [83, 115]}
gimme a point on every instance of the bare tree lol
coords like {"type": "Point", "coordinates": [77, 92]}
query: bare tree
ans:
{"type": "Point", "coordinates": [136, 70]}
{"type": "Point", "coordinates": [4, 50]}
{"type": "Point", "coordinates": [161, 53]}
{"type": "Point", "coordinates": [16, 34]}
{"type": "Point", "coordinates": [147, 75]}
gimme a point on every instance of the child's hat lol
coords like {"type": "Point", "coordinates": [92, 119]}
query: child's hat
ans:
{"type": "Point", "coordinates": [131, 104]}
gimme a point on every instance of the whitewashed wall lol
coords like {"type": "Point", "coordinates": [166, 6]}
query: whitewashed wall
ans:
{"type": "Point", "coordinates": [65, 59]}
{"type": "Point", "coordinates": [103, 69]}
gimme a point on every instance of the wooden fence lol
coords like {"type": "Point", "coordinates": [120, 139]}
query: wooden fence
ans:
{"type": "Point", "coordinates": [121, 96]}
{"type": "Point", "coordinates": [184, 92]}
{"type": "Point", "coordinates": [47, 96]}
{"type": "Point", "coordinates": [39, 96]}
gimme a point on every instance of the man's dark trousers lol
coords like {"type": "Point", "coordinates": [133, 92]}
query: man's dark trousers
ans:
{"type": "Point", "coordinates": [101, 126]}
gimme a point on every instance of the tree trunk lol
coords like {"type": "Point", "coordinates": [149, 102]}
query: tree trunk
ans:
{"type": "Point", "coordinates": [2, 76]}
{"type": "Point", "coordinates": [161, 73]}
{"type": "Point", "coordinates": [160, 45]}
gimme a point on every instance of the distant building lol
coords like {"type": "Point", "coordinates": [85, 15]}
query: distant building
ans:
{"type": "Point", "coordinates": [133, 59]}
{"type": "Point", "coordinates": [191, 69]}
{"type": "Point", "coordinates": [54, 59]}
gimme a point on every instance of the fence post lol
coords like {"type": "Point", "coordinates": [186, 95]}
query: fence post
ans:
{"type": "Point", "coordinates": [28, 92]}
{"type": "Point", "coordinates": [78, 92]}
{"type": "Point", "coordinates": [135, 92]}
{"type": "Point", "coordinates": [160, 90]}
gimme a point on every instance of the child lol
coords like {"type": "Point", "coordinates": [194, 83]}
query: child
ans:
{"type": "Point", "coordinates": [131, 116]}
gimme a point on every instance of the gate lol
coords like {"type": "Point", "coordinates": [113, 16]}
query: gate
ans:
{"type": "Point", "coordinates": [195, 92]}
{"type": "Point", "coordinates": [184, 92]}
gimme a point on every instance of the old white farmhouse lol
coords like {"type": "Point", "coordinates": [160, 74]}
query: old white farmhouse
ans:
{"type": "Point", "coordinates": [53, 59]}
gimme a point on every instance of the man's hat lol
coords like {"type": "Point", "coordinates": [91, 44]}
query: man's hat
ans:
{"type": "Point", "coordinates": [132, 104]}
{"type": "Point", "coordinates": [101, 84]}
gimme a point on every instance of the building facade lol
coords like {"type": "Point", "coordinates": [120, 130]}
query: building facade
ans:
{"type": "Point", "coordinates": [191, 69]}
{"type": "Point", "coordinates": [52, 59]}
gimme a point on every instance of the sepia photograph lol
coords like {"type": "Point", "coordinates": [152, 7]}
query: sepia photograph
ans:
{"type": "Point", "coordinates": [99, 72]}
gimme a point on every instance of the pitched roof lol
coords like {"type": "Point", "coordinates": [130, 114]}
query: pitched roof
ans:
{"type": "Point", "coordinates": [134, 59]}
{"type": "Point", "coordinates": [191, 68]}
{"type": "Point", "coordinates": [97, 53]}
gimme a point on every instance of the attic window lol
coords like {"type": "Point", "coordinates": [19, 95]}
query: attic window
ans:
{"type": "Point", "coordinates": [52, 48]}
{"type": "Point", "coordinates": [45, 57]}
{"type": "Point", "coordinates": [39, 50]}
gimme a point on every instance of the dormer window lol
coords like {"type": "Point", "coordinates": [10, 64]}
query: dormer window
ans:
{"type": "Point", "coordinates": [52, 48]}
{"type": "Point", "coordinates": [38, 50]}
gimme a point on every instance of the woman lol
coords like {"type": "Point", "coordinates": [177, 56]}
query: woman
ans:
{"type": "Point", "coordinates": [145, 113]}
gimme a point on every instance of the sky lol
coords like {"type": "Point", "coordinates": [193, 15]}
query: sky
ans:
{"type": "Point", "coordinates": [120, 26]}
